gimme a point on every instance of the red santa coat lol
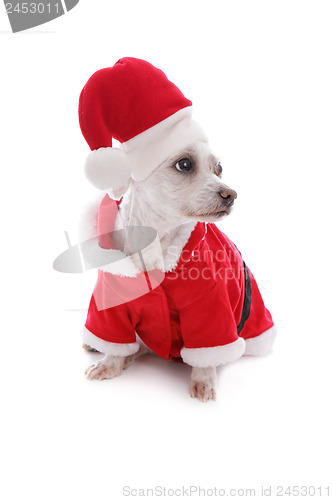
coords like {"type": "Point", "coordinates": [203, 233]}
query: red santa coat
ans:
{"type": "Point", "coordinates": [192, 314]}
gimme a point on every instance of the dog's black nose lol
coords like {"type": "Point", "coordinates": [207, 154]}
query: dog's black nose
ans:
{"type": "Point", "coordinates": [228, 195]}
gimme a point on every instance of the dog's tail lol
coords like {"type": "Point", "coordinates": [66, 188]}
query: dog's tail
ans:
{"type": "Point", "coordinates": [87, 227]}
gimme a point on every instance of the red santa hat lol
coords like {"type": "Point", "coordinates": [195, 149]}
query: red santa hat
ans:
{"type": "Point", "coordinates": [134, 103]}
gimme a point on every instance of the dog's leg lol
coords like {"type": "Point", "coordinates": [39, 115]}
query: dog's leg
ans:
{"type": "Point", "coordinates": [107, 367]}
{"type": "Point", "coordinates": [112, 366]}
{"type": "Point", "coordinates": [141, 352]}
{"type": "Point", "coordinates": [203, 383]}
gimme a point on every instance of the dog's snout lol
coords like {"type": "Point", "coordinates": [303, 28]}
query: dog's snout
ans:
{"type": "Point", "coordinates": [228, 195]}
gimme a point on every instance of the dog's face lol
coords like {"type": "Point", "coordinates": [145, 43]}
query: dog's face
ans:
{"type": "Point", "coordinates": [189, 186]}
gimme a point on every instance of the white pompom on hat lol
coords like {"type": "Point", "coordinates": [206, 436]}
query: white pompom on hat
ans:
{"type": "Point", "coordinates": [134, 103]}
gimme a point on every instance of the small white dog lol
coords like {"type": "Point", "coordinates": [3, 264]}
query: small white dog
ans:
{"type": "Point", "coordinates": [207, 310]}
{"type": "Point", "coordinates": [185, 189]}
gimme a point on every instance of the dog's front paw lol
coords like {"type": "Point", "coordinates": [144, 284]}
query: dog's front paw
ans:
{"type": "Point", "coordinates": [107, 368]}
{"type": "Point", "coordinates": [203, 383]}
{"type": "Point", "coordinates": [203, 391]}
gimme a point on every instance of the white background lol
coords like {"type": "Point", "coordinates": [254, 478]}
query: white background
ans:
{"type": "Point", "coordinates": [260, 76]}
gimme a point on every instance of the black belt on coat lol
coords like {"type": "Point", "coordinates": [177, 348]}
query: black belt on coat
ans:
{"type": "Point", "coordinates": [247, 299]}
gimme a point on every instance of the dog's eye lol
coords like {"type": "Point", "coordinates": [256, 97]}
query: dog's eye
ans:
{"type": "Point", "coordinates": [218, 169]}
{"type": "Point", "coordinates": [183, 165]}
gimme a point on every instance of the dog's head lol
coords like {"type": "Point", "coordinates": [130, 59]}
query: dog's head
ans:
{"type": "Point", "coordinates": [189, 185]}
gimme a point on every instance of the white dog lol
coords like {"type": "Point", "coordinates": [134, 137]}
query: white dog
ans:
{"type": "Point", "coordinates": [185, 189]}
{"type": "Point", "coordinates": [206, 308]}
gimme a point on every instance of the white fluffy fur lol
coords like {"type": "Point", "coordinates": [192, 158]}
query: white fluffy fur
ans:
{"type": "Point", "coordinates": [150, 148]}
{"type": "Point", "coordinates": [261, 345]}
{"type": "Point", "coordinates": [124, 266]}
{"type": "Point", "coordinates": [109, 347]}
{"type": "Point", "coordinates": [213, 356]}
{"type": "Point", "coordinates": [172, 204]}
{"type": "Point", "coordinates": [87, 227]}
{"type": "Point", "coordinates": [109, 168]}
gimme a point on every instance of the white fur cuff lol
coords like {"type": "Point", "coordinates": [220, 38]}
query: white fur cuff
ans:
{"type": "Point", "coordinates": [109, 347]}
{"type": "Point", "coordinates": [260, 345]}
{"type": "Point", "coordinates": [203, 357]}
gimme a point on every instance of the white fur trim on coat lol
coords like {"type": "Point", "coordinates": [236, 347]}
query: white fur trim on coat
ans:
{"type": "Point", "coordinates": [173, 252]}
{"type": "Point", "coordinates": [109, 347]}
{"type": "Point", "coordinates": [258, 346]}
{"type": "Point", "coordinates": [132, 265]}
{"type": "Point", "coordinates": [203, 357]}
{"type": "Point", "coordinates": [122, 267]}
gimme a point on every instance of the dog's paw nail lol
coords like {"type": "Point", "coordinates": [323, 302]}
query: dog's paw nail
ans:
{"type": "Point", "coordinates": [203, 391]}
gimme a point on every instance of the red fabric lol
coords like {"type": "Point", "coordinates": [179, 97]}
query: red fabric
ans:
{"type": "Point", "coordinates": [105, 222]}
{"type": "Point", "coordinates": [122, 101]}
{"type": "Point", "coordinates": [199, 304]}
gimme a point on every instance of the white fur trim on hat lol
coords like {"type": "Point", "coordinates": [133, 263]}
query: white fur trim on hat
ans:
{"type": "Point", "coordinates": [109, 347]}
{"type": "Point", "coordinates": [203, 357]}
{"type": "Point", "coordinates": [262, 344]}
{"type": "Point", "coordinates": [109, 169]}
{"type": "Point", "coordinates": [148, 150]}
